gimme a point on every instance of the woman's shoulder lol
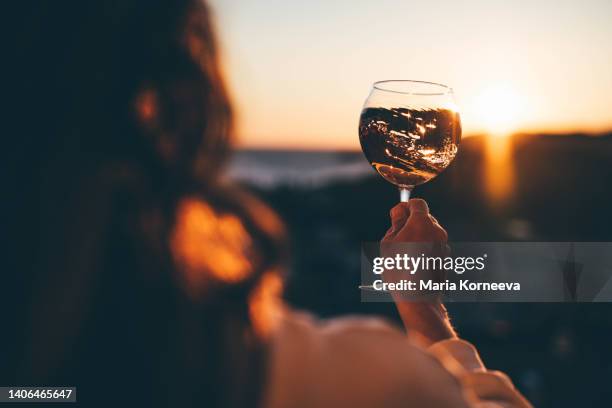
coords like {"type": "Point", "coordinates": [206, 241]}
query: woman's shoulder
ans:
{"type": "Point", "coordinates": [362, 361]}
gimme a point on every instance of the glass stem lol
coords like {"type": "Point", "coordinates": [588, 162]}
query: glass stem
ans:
{"type": "Point", "coordinates": [404, 194]}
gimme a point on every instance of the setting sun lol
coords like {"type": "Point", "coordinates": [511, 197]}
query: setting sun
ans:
{"type": "Point", "coordinates": [499, 110]}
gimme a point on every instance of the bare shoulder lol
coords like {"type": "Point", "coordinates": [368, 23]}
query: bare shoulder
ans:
{"type": "Point", "coordinates": [359, 361]}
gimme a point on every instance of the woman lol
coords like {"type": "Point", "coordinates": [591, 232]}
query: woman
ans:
{"type": "Point", "coordinates": [141, 277]}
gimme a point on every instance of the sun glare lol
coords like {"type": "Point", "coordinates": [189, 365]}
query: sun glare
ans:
{"type": "Point", "coordinates": [498, 109]}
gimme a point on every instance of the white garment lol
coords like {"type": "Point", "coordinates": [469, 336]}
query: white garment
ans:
{"type": "Point", "coordinates": [365, 362]}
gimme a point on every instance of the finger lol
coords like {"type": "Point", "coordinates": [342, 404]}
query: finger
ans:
{"type": "Point", "coordinates": [443, 235]}
{"type": "Point", "coordinates": [399, 215]}
{"type": "Point", "coordinates": [388, 235]}
{"type": "Point", "coordinates": [418, 206]}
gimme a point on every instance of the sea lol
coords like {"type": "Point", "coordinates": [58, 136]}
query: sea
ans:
{"type": "Point", "coordinates": [269, 169]}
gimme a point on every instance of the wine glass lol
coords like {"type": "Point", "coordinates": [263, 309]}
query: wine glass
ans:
{"type": "Point", "coordinates": [409, 131]}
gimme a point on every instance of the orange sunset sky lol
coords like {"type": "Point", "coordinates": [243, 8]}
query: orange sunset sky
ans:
{"type": "Point", "coordinates": [299, 72]}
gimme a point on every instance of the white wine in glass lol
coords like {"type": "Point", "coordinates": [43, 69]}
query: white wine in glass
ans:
{"type": "Point", "coordinates": [409, 131]}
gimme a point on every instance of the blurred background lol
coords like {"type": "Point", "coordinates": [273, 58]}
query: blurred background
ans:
{"type": "Point", "coordinates": [533, 80]}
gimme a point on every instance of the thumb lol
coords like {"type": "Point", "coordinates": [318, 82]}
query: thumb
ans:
{"type": "Point", "coordinates": [418, 206]}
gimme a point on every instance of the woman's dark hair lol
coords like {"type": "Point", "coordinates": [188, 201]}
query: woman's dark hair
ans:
{"type": "Point", "coordinates": [132, 263]}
